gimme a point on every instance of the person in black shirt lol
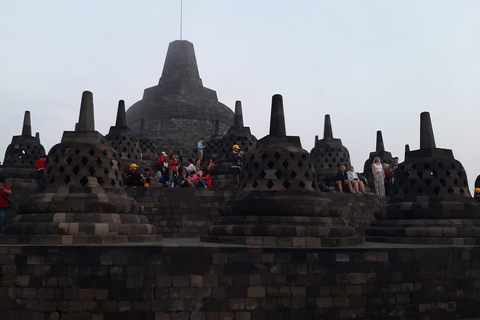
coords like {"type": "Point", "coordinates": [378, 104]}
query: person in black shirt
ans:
{"type": "Point", "coordinates": [342, 180]}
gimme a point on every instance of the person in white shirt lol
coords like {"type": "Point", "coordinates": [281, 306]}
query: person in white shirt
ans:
{"type": "Point", "coordinates": [357, 185]}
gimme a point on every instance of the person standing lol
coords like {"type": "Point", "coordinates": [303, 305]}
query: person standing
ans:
{"type": "Point", "coordinates": [200, 148]}
{"type": "Point", "coordinates": [237, 158]}
{"type": "Point", "coordinates": [379, 177]}
{"type": "Point", "coordinates": [5, 193]}
{"type": "Point", "coordinates": [172, 170]}
{"type": "Point", "coordinates": [388, 178]}
{"type": "Point", "coordinates": [393, 169]}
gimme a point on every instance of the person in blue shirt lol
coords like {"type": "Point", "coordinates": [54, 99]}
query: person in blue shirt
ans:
{"type": "Point", "coordinates": [200, 148]}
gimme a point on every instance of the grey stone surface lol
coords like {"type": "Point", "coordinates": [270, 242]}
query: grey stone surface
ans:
{"type": "Point", "coordinates": [179, 110]}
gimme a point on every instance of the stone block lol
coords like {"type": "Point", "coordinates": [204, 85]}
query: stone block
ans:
{"type": "Point", "coordinates": [256, 292]}
{"type": "Point", "coordinates": [325, 302]}
{"type": "Point", "coordinates": [357, 278]}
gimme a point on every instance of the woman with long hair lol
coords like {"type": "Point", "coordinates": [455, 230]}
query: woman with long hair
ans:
{"type": "Point", "coordinates": [379, 177]}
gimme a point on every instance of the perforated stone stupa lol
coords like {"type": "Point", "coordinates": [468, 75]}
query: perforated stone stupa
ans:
{"type": "Point", "coordinates": [148, 149]}
{"type": "Point", "coordinates": [328, 155]}
{"type": "Point", "coordinates": [179, 110]}
{"type": "Point", "coordinates": [238, 134]}
{"type": "Point", "coordinates": [430, 200]}
{"type": "Point", "coordinates": [82, 199]}
{"type": "Point", "coordinates": [278, 204]}
{"type": "Point", "coordinates": [20, 165]}
{"type": "Point", "coordinates": [122, 139]}
{"type": "Point", "coordinates": [385, 157]}
{"type": "Point", "coordinates": [213, 143]}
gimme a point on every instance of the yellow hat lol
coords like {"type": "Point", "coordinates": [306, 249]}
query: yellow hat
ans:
{"type": "Point", "coordinates": [133, 165]}
{"type": "Point", "coordinates": [235, 146]}
{"type": "Point", "coordinates": [477, 190]}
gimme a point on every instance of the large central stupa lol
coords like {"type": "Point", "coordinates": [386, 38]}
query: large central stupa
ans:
{"type": "Point", "coordinates": [179, 110]}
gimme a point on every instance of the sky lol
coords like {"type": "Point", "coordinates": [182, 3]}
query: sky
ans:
{"type": "Point", "coordinates": [371, 65]}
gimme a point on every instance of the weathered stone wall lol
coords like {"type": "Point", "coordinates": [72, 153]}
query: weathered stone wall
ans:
{"type": "Point", "coordinates": [191, 282]}
{"type": "Point", "coordinates": [180, 212]}
{"type": "Point", "coordinates": [358, 211]}
{"type": "Point", "coordinates": [188, 212]}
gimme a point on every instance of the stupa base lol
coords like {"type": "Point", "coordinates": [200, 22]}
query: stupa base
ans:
{"type": "Point", "coordinates": [290, 242]}
{"type": "Point", "coordinates": [78, 239]}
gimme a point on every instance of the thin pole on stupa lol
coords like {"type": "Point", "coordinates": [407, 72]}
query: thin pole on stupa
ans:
{"type": "Point", "coordinates": [277, 119]}
{"type": "Point", "coordinates": [121, 118]}
{"type": "Point", "coordinates": [380, 146]}
{"type": "Point", "coordinates": [181, 18]}
{"type": "Point", "coordinates": [86, 120]}
{"type": "Point", "coordinates": [316, 140]}
{"type": "Point", "coordinates": [27, 125]}
{"type": "Point", "coordinates": [327, 129]}
{"type": "Point", "coordinates": [238, 119]}
{"type": "Point", "coordinates": [427, 139]}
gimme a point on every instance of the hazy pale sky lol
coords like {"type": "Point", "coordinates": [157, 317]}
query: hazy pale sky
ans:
{"type": "Point", "coordinates": [371, 65]}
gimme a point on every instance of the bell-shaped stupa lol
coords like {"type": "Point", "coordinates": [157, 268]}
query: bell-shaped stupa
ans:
{"type": "Point", "coordinates": [430, 202]}
{"type": "Point", "coordinates": [279, 204]}
{"type": "Point", "coordinates": [148, 149]}
{"type": "Point", "coordinates": [385, 157]}
{"type": "Point", "coordinates": [20, 165]}
{"type": "Point", "coordinates": [213, 143]}
{"type": "Point", "coordinates": [122, 139]}
{"type": "Point", "coordinates": [239, 135]}
{"type": "Point", "coordinates": [82, 199]}
{"type": "Point", "coordinates": [328, 155]}
{"type": "Point", "coordinates": [179, 111]}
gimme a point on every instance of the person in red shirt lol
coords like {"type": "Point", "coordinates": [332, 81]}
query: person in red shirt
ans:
{"type": "Point", "coordinates": [172, 170]}
{"type": "Point", "coordinates": [5, 193]}
{"type": "Point", "coordinates": [41, 168]}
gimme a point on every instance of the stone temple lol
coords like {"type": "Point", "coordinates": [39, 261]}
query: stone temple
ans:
{"type": "Point", "coordinates": [84, 247]}
{"type": "Point", "coordinates": [179, 110]}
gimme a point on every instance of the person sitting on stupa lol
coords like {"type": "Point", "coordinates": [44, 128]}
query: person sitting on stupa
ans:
{"type": "Point", "coordinates": [357, 184]}
{"type": "Point", "coordinates": [341, 180]}
{"type": "Point", "coordinates": [134, 179]}
{"type": "Point", "coordinates": [147, 178]}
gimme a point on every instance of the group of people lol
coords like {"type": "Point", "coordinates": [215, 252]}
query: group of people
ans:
{"type": "Point", "coordinates": [172, 172]}
{"type": "Point", "coordinates": [383, 175]}
{"type": "Point", "coordinates": [349, 179]}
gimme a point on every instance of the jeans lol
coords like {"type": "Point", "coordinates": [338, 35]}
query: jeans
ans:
{"type": "Point", "coordinates": [3, 218]}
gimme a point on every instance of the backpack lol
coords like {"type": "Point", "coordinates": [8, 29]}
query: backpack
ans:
{"type": "Point", "coordinates": [195, 149]}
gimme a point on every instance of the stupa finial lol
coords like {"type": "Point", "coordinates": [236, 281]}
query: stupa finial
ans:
{"type": "Point", "coordinates": [27, 125]}
{"type": "Point", "coordinates": [86, 120]}
{"type": "Point", "coordinates": [121, 118]}
{"type": "Point", "coordinates": [427, 140]}
{"type": "Point", "coordinates": [277, 119]}
{"type": "Point", "coordinates": [238, 119]}
{"type": "Point", "coordinates": [327, 130]}
{"type": "Point", "coordinates": [380, 146]}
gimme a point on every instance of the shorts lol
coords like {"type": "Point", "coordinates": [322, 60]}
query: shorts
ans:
{"type": "Point", "coordinates": [200, 156]}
